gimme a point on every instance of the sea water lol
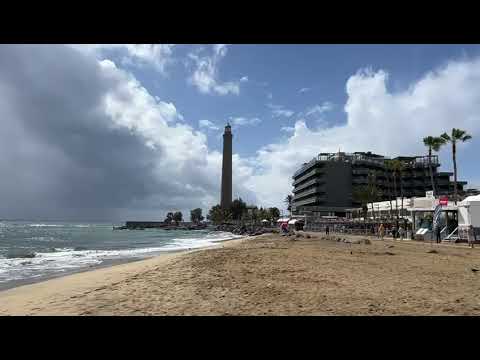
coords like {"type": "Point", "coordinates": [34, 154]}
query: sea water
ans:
{"type": "Point", "coordinates": [32, 250]}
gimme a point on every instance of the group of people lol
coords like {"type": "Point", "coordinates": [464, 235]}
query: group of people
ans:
{"type": "Point", "coordinates": [401, 232]}
{"type": "Point", "coordinates": [382, 230]}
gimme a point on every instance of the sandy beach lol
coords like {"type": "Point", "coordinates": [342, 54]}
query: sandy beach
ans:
{"type": "Point", "coordinates": [270, 275]}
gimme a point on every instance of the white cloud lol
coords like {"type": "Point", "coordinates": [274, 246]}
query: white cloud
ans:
{"type": "Point", "coordinates": [188, 159]}
{"type": "Point", "coordinates": [205, 75]}
{"type": "Point", "coordinates": [319, 109]}
{"type": "Point", "coordinates": [156, 55]}
{"type": "Point", "coordinates": [279, 110]}
{"type": "Point", "coordinates": [379, 121]}
{"type": "Point", "coordinates": [287, 129]}
{"type": "Point", "coordinates": [244, 79]}
{"type": "Point", "coordinates": [242, 121]}
{"type": "Point", "coordinates": [303, 90]}
{"type": "Point", "coordinates": [208, 125]}
{"type": "Point", "coordinates": [270, 95]}
{"type": "Point", "coordinates": [282, 112]}
{"type": "Point", "coordinates": [179, 158]}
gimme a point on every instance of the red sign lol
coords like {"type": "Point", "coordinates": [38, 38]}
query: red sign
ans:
{"type": "Point", "coordinates": [443, 201]}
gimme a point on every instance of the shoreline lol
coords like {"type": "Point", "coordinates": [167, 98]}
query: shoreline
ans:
{"type": "Point", "coordinates": [107, 263]}
{"type": "Point", "coordinates": [19, 300]}
{"type": "Point", "coordinates": [269, 275]}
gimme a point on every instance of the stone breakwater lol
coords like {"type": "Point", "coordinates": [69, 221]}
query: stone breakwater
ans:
{"type": "Point", "coordinates": [141, 225]}
{"type": "Point", "coordinates": [245, 230]}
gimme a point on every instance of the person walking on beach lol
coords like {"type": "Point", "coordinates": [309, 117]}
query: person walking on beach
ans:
{"type": "Point", "coordinates": [471, 236]}
{"type": "Point", "coordinates": [381, 231]}
{"type": "Point", "coordinates": [401, 232]}
{"type": "Point", "coordinates": [327, 230]}
{"type": "Point", "coordinates": [437, 234]}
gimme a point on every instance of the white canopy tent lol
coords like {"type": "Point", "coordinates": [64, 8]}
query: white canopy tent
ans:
{"type": "Point", "coordinates": [469, 211]}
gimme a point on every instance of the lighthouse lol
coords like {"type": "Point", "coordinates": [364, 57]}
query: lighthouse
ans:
{"type": "Point", "coordinates": [226, 193]}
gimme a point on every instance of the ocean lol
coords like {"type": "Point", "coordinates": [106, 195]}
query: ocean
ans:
{"type": "Point", "coordinates": [31, 251]}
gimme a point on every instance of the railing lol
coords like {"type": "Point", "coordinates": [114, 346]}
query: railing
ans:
{"type": "Point", "coordinates": [318, 189]}
{"type": "Point", "coordinates": [347, 157]}
{"type": "Point", "coordinates": [307, 176]}
{"type": "Point", "coordinates": [306, 201]}
{"type": "Point", "coordinates": [305, 167]}
{"type": "Point", "coordinates": [443, 231]}
{"type": "Point", "coordinates": [307, 184]}
{"type": "Point", "coordinates": [451, 234]}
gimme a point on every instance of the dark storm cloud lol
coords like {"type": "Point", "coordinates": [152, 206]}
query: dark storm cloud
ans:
{"type": "Point", "coordinates": [59, 153]}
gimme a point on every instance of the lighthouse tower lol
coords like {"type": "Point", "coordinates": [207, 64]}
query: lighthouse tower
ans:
{"type": "Point", "coordinates": [226, 195]}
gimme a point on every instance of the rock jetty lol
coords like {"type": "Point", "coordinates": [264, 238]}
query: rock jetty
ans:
{"type": "Point", "coordinates": [244, 230]}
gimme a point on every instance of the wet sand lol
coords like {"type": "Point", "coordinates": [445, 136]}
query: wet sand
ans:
{"type": "Point", "coordinates": [270, 275]}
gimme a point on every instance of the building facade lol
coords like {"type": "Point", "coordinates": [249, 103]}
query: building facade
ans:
{"type": "Point", "coordinates": [327, 185]}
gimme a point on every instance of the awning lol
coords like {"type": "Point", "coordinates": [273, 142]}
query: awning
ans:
{"type": "Point", "coordinates": [293, 221]}
{"type": "Point", "coordinates": [283, 220]}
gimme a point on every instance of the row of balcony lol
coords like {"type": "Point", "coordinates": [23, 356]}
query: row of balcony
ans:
{"type": "Point", "coordinates": [310, 200]}
{"type": "Point", "coordinates": [307, 184]}
{"type": "Point", "coordinates": [315, 190]}
{"type": "Point", "coordinates": [314, 172]}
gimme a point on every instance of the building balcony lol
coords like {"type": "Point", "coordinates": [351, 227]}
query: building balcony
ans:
{"type": "Point", "coordinates": [309, 192]}
{"type": "Point", "coordinates": [307, 184]}
{"type": "Point", "coordinates": [310, 200]}
{"type": "Point", "coordinates": [360, 181]}
{"type": "Point", "coordinates": [308, 175]}
{"type": "Point", "coordinates": [361, 171]}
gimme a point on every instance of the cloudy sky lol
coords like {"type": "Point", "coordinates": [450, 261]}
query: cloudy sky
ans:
{"type": "Point", "coordinates": [117, 132]}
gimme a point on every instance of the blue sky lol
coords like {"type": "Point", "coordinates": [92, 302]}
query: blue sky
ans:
{"type": "Point", "coordinates": [282, 71]}
{"type": "Point", "coordinates": [161, 109]}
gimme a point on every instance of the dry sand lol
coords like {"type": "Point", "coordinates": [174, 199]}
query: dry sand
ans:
{"type": "Point", "coordinates": [270, 275]}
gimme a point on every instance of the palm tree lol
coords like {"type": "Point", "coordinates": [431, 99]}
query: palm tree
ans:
{"type": "Point", "coordinates": [372, 189]}
{"type": "Point", "coordinates": [433, 143]}
{"type": "Point", "coordinates": [361, 194]}
{"type": "Point", "coordinates": [401, 167]}
{"type": "Point", "coordinates": [393, 166]}
{"type": "Point", "coordinates": [288, 201]}
{"type": "Point", "coordinates": [456, 135]}
{"type": "Point", "coordinates": [388, 174]}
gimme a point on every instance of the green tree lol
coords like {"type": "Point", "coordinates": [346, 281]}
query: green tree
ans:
{"type": "Point", "coordinates": [361, 194]}
{"type": "Point", "coordinates": [255, 215]}
{"type": "Point", "coordinates": [402, 168]}
{"type": "Point", "coordinates": [389, 177]}
{"type": "Point", "coordinates": [457, 135]}
{"type": "Point", "coordinates": [433, 143]}
{"type": "Point", "coordinates": [169, 218]}
{"type": "Point", "coordinates": [398, 169]}
{"type": "Point", "coordinates": [288, 201]}
{"type": "Point", "coordinates": [196, 215]}
{"type": "Point", "coordinates": [238, 208]}
{"type": "Point", "coordinates": [373, 192]}
{"type": "Point", "coordinates": [217, 215]}
{"type": "Point", "coordinates": [178, 217]}
{"type": "Point", "coordinates": [274, 213]}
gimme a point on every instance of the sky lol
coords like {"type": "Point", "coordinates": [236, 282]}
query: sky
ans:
{"type": "Point", "coordinates": [111, 132]}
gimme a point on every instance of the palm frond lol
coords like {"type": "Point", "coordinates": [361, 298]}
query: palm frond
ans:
{"type": "Point", "coordinates": [445, 137]}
